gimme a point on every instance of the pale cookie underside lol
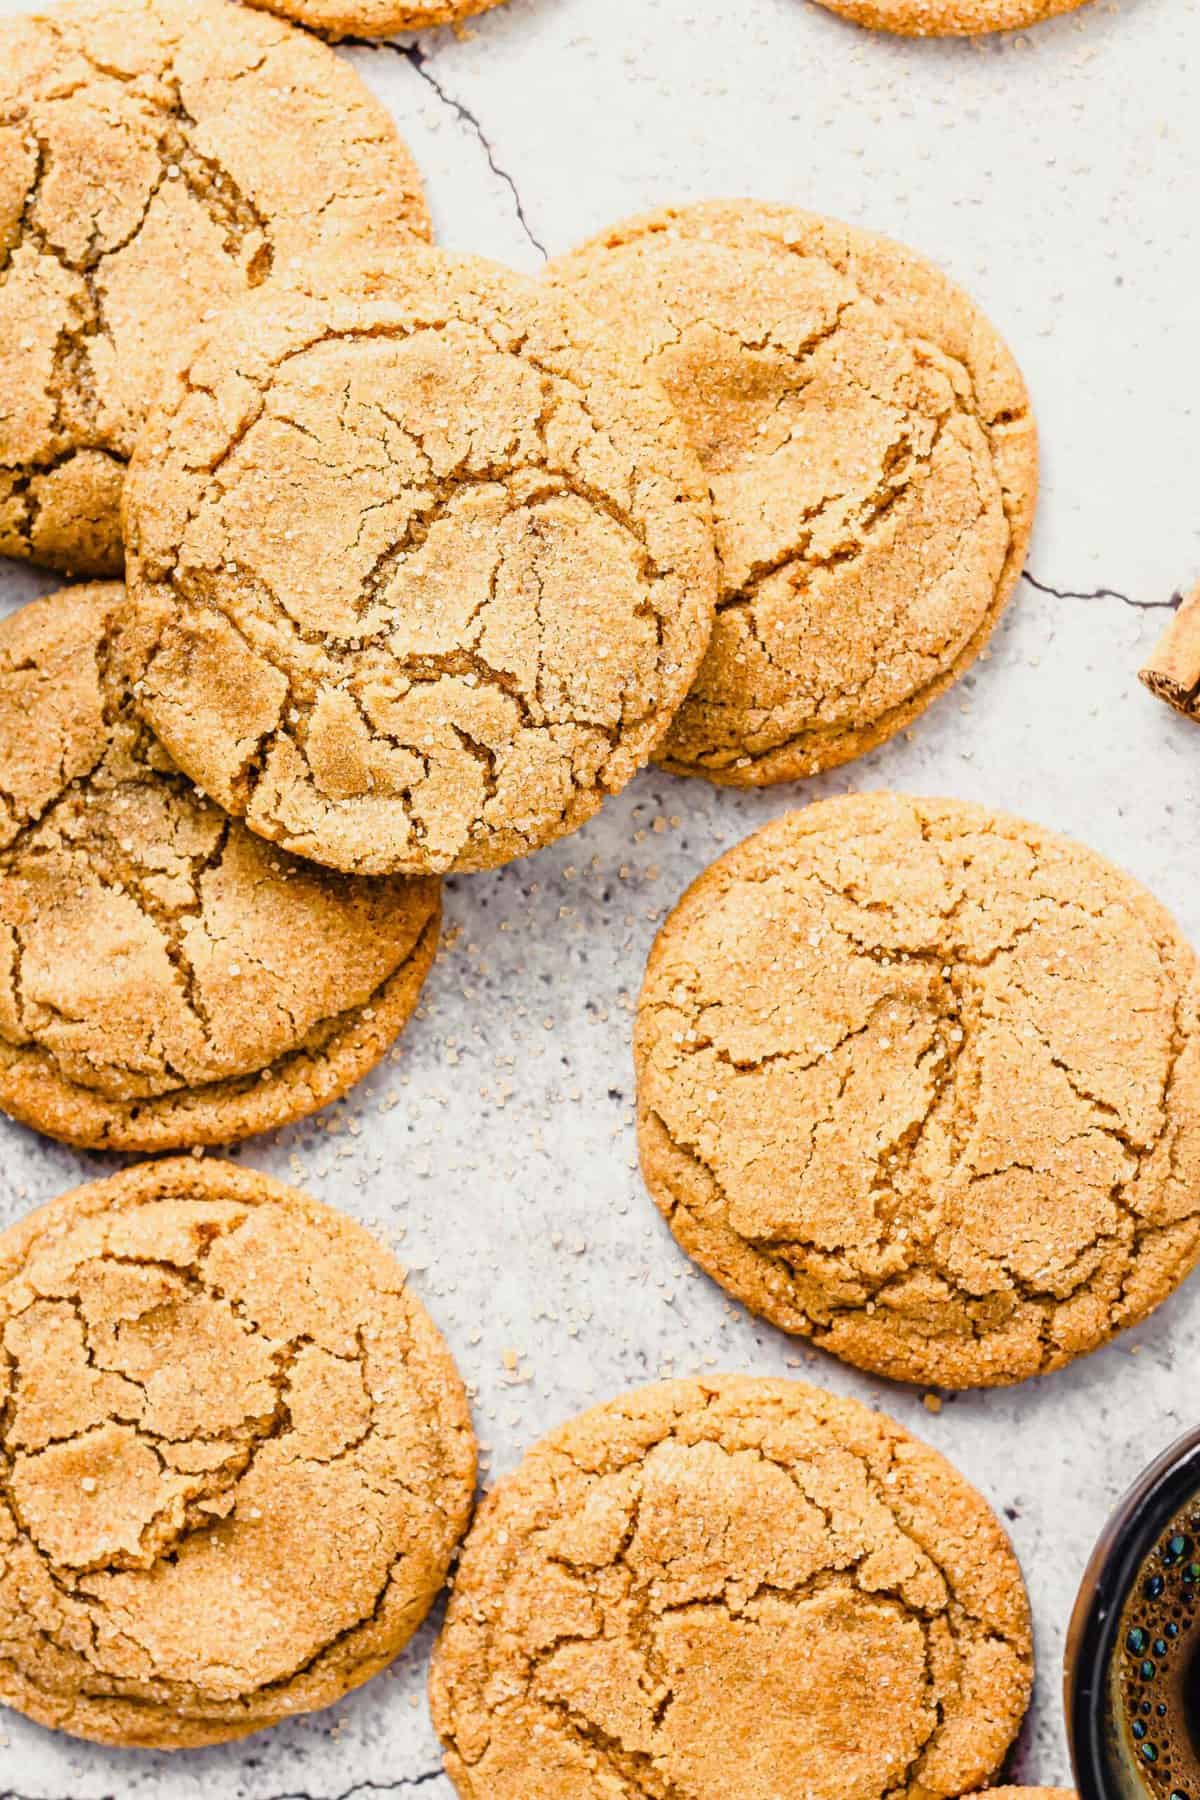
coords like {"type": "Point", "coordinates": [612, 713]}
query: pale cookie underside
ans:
{"type": "Point", "coordinates": [158, 161]}
{"type": "Point", "coordinates": [873, 464]}
{"type": "Point", "coordinates": [237, 1455]}
{"type": "Point", "coordinates": [732, 1562]}
{"type": "Point", "coordinates": [949, 18]}
{"type": "Point", "coordinates": [375, 18]}
{"type": "Point", "coordinates": [472, 606]}
{"type": "Point", "coordinates": [166, 978]}
{"type": "Point", "coordinates": [922, 1082]}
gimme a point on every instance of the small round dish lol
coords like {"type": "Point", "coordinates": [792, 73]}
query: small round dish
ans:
{"type": "Point", "coordinates": [1101, 1751]}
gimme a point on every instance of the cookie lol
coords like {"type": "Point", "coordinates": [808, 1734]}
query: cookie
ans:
{"type": "Point", "coordinates": [873, 464]}
{"type": "Point", "coordinates": [159, 159]}
{"type": "Point", "coordinates": [237, 1457]}
{"type": "Point", "coordinates": [1173, 672]}
{"type": "Point", "coordinates": [423, 568]}
{"type": "Point", "coordinates": [921, 1082]}
{"type": "Point", "coordinates": [949, 18]}
{"type": "Point", "coordinates": [375, 18]}
{"type": "Point", "coordinates": [732, 1562]}
{"type": "Point", "coordinates": [1011, 1793]}
{"type": "Point", "coordinates": [166, 979]}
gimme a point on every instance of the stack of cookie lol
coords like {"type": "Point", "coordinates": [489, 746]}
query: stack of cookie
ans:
{"type": "Point", "coordinates": [416, 573]}
{"type": "Point", "coordinates": [421, 561]}
{"type": "Point", "coordinates": [169, 979]}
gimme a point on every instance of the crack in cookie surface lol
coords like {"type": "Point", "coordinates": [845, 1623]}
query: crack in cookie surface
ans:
{"type": "Point", "coordinates": [732, 1561]}
{"type": "Point", "coordinates": [165, 977]}
{"type": "Point", "coordinates": [422, 571]}
{"type": "Point", "coordinates": [236, 1457]}
{"type": "Point", "coordinates": [922, 1082]}
{"type": "Point", "coordinates": [873, 466]}
{"type": "Point", "coordinates": [158, 161]}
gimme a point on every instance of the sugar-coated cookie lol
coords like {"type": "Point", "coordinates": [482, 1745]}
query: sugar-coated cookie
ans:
{"type": "Point", "coordinates": [375, 18]}
{"type": "Point", "coordinates": [1023, 1793]}
{"type": "Point", "coordinates": [922, 1082]}
{"type": "Point", "coordinates": [732, 1586]}
{"type": "Point", "coordinates": [873, 464]}
{"type": "Point", "coordinates": [949, 18]}
{"type": "Point", "coordinates": [237, 1457]}
{"type": "Point", "coordinates": [423, 566]}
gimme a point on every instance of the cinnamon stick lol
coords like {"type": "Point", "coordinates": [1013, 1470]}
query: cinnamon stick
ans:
{"type": "Point", "coordinates": [1173, 672]}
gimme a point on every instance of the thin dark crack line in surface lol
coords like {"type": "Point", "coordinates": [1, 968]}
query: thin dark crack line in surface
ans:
{"type": "Point", "coordinates": [1104, 593]}
{"type": "Point", "coordinates": [417, 59]}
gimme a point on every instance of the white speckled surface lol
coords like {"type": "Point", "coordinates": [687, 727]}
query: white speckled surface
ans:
{"type": "Point", "coordinates": [1056, 175]}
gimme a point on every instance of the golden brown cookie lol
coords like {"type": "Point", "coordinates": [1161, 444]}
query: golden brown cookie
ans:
{"type": "Point", "coordinates": [167, 979]}
{"type": "Point", "coordinates": [922, 1082]}
{"type": "Point", "coordinates": [158, 160]}
{"type": "Point", "coordinates": [1173, 671]}
{"type": "Point", "coordinates": [423, 567]}
{"type": "Point", "coordinates": [374, 18]}
{"type": "Point", "coordinates": [1012, 1793]}
{"type": "Point", "coordinates": [949, 18]}
{"type": "Point", "coordinates": [873, 464]}
{"type": "Point", "coordinates": [732, 1586]}
{"type": "Point", "coordinates": [237, 1457]}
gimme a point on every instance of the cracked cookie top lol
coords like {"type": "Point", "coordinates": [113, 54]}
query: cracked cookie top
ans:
{"type": "Point", "coordinates": [166, 978]}
{"type": "Point", "coordinates": [423, 569]}
{"type": "Point", "coordinates": [1012, 1793]}
{"type": "Point", "coordinates": [873, 465]}
{"type": "Point", "coordinates": [159, 159]}
{"type": "Point", "coordinates": [236, 1457]}
{"type": "Point", "coordinates": [922, 1082]}
{"type": "Point", "coordinates": [735, 1568]}
{"type": "Point", "coordinates": [374, 18]}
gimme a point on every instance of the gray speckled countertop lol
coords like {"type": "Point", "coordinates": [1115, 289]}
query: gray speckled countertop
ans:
{"type": "Point", "coordinates": [1055, 173]}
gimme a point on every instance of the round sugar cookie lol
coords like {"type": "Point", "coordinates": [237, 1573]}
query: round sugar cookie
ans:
{"type": "Point", "coordinates": [949, 18]}
{"type": "Point", "coordinates": [237, 1457]}
{"type": "Point", "coordinates": [375, 18]}
{"type": "Point", "coordinates": [732, 1585]}
{"type": "Point", "coordinates": [873, 464]}
{"type": "Point", "coordinates": [921, 1081]}
{"type": "Point", "coordinates": [423, 567]}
